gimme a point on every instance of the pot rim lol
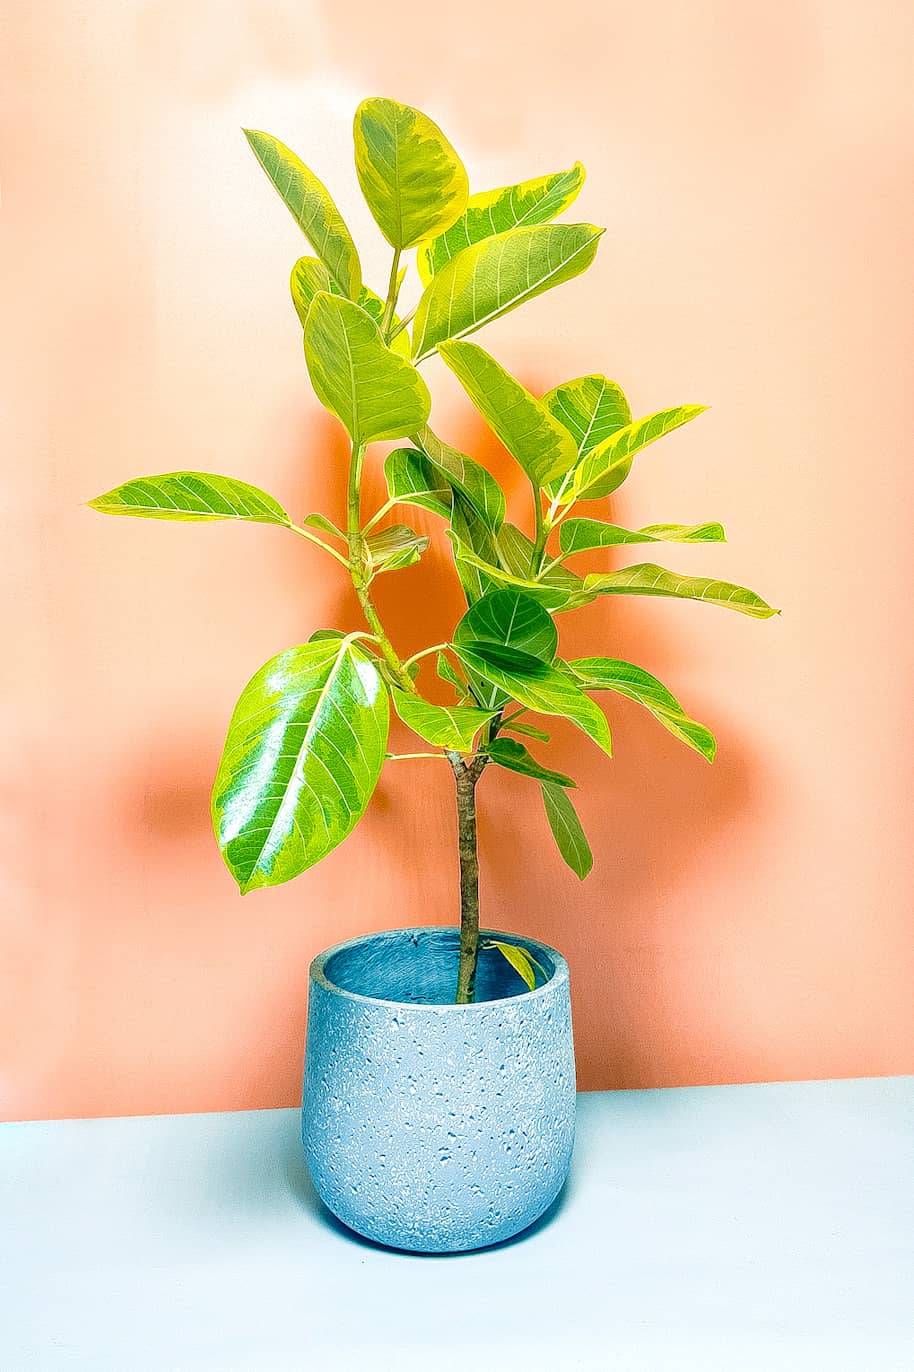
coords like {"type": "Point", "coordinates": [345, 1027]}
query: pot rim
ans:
{"type": "Point", "coordinates": [558, 978]}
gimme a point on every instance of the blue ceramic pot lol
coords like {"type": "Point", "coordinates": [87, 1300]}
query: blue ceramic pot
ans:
{"type": "Point", "coordinates": [427, 1125]}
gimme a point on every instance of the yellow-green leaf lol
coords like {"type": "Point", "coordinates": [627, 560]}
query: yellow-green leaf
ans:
{"type": "Point", "coordinates": [470, 478]}
{"type": "Point", "coordinates": [570, 838]}
{"type": "Point", "coordinates": [558, 589]}
{"type": "Point", "coordinates": [392, 548]}
{"type": "Point", "coordinates": [447, 726]}
{"type": "Point", "coordinates": [510, 207]}
{"type": "Point", "coordinates": [591, 408]}
{"type": "Point", "coordinates": [524, 964]}
{"type": "Point", "coordinates": [371, 390]}
{"type": "Point", "coordinates": [304, 750]}
{"type": "Point", "coordinates": [537, 685]}
{"type": "Point", "coordinates": [617, 451]}
{"type": "Point", "coordinates": [649, 579]}
{"type": "Point", "coordinates": [412, 480]}
{"type": "Point", "coordinates": [496, 275]}
{"type": "Point", "coordinates": [613, 674]}
{"type": "Point", "coordinates": [309, 276]}
{"type": "Point", "coordinates": [411, 177]}
{"type": "Point", "coordinates": [581, 535]}
{"type": "Point", "coordinates": [312, 208]}
{"type": "Point", "coordinates": [191, 496]}
{"type": "Point", "coordinates": [533, 437]}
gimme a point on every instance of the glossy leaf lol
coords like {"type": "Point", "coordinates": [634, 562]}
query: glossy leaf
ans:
{"type": "Point", "coordinates": [570, 838]}
{"type": "Point", "coordinates": [303, 754]}
{"type": "Point", "coordinates": [612, 674]}
{"type": "Point", "coordinates": [312, 208]}
{"type": "Point", "coordinates": [510, 619]}
{"type": "Point", "coordinates": [649, 579]}
{"type": "Point", "coordinates": [591, 408]}
{"type": "Point", "coordinates": [411, 177]}
{"type": "Point", "coordinates": [495, 276]}
{"type": "Point", "coordinates": [524, 965]}
{"type": "Point", "coordinates": [608, 457]}
{"type": "Point", "coordinates": [448, 672]}
{"type": "Point", "coordinates": [374, 393]}
{"type": "Point", "coordinates": [469, 532]}
{"type": "Point", "coordinates": [532, 435]}
{"type": "Point", "coordinates": [310, 276]}
{"type": "Point", "coordinates": [558, 589]}
{"type": "Point", "coordinates": [191, 496]}
{"type": "Point", "coordinates": [447, 726]}
{"type": "Point", "coordinates": [473, 481]}
{"type": "Point", "coordinates": [513, 620]}
{"type": "Point", "coordinates": [391, 549]}
{"type": "Point", "coordinates": [528, 730]}
{"type": "Point", "coordinates": [412, 480]}
{"type": "Point", "coordinates": [508, 753]}
{"type": "Point", "coordinates": [510, 207]}
{"type": "Point", "coordinates": [581, 535]}
{"type": "Point", "coordinates": [514, 550]}
{"type": "Point", "coordinates": [536, 684]}
{"type": "Point", "coordinates": [327, 526]}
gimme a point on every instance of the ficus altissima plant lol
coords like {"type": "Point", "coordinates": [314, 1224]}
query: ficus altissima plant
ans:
{"type": "Point", "coordinates": [309, 735]}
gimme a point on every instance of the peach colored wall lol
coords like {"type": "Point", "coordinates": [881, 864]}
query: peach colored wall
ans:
{"type": "Point", "coordinates": [753, 165]}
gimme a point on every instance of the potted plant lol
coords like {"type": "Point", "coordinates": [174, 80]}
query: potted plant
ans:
{"type": "Point", "coordinates": [439, 1090]}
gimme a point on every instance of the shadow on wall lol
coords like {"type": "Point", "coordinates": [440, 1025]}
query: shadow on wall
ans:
{"type": "Point", "coordinates": [649, 812]}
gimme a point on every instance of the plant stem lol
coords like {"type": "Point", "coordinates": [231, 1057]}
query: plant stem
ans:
{"type": "Point", "coordinates": [358, 573]}
{"type": "Point", "coordinates": [540, 532]}
{"type": "Point", "coordinates": [466, 776]}
{"type": "Point", "coordinates": [398, 328]}
{"type": "Point", "coordinates": [391, 302]}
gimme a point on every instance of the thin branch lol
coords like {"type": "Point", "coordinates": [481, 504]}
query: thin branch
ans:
{"type": "Point", "coordinates": [402, 757]}
{"type": "Point", "coordinates": [399, 327]}
{"type": "Point", "coordinates": [435, 648]}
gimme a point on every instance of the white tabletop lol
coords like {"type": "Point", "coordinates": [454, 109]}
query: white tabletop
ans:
{"type": "Point", "coordinates": [734, 1227]}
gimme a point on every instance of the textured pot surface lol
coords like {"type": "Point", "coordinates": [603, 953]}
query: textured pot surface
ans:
{"type": "Point", "coordinates": [427, 1125]}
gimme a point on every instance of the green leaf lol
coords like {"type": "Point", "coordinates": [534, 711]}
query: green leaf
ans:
{"type": "Point", "coordinates": [514, 550]}
{"type": "Point", "coordinates": [191, 496]}
{"type": "Point", "coordinates": [510, 207]}
{"type": "Point", "coordinates": [303, 754]}
{"type": "Point", "coordinates": [412, 480]}
{"type": "Point", "coordinates": [477, 485]}
{"type": "Point", "coordinates": [612, 674]}
{"type": "Point", "coordinates": [532, 435]}
{"type": "Point", "coordinates": [508, 753]}
{"type": "Point", "coordinates": [325, 635]}
{"type": "Point", "coordinates": [536, 684]}
{"type": "Point", "coordinates": [469, 531]}
{"type": "Point", "coordinates": [513, 620]}
{"type": "Point", "coordinates": [580, 535]}
{"type": "Point", "coordinates": [608, 457]}
{"type": "Point", "coordinates": [649, 579]}
{"type": "Point", "coordinates": [512, 727]}
{"type": "Point", "coordinates": [310, 276]}
{"type": "Point", "coordinates": [524, 965]}
{"type": "Point", "coordinates": [327, 526]}
{"type": "Point", "coordinates": [510, 619]}
{"type": "Point", "coordinates": [557, 589]}
{"type": "Point", "coordinates": [373, 305]}
{"type": "Point", "coordinates": [447, 726]}
{"type": "Point", "coordinates": [448, 672]}
{"type": "Point", "coordinates": [312, 208]}
{"type": "Point", "coordinates": [390, 549]}
{"type": "Point", "coordinates": [374, 393]}
{"type": "Point", "coordinates": [490, 278]}
{"type": "Point", "coordinates": [411, 177]}
{"type": "Point", "coordinates": [566, 828]}
{"type": "Point", "coordinates": [591, 408]}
